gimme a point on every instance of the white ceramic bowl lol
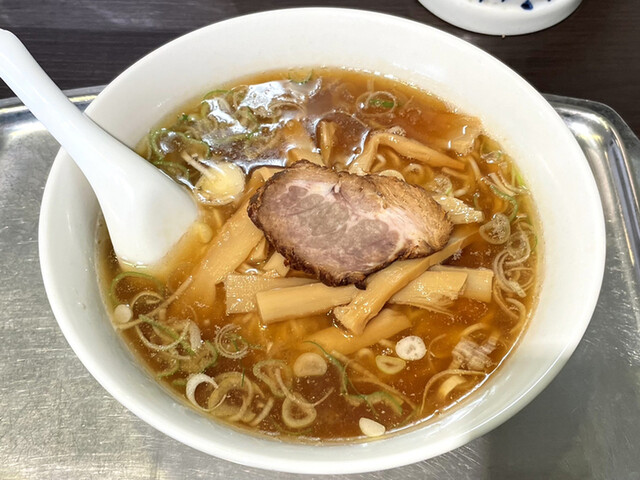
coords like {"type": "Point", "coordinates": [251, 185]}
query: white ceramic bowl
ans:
{"type": "Point", "coordinates": [512, 111]}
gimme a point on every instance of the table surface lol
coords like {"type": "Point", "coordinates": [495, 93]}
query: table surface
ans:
{"type": "Point", "coordinates": [594, 54]}
{"type": "Point", "coordinates": [57, 422]}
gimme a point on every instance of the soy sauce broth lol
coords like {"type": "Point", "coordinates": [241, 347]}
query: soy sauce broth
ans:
{"type": "Point", "coordinates": [256, 122]}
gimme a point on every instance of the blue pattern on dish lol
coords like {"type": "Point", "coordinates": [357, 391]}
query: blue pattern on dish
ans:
{"type": "Point", "coordinates": [525, 5]}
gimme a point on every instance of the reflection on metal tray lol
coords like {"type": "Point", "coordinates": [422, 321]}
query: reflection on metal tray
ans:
{"type": "Point", "coordinates": [57, 422]}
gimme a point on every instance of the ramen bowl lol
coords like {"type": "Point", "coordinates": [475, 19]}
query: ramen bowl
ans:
{"type": "Point", "coordinates": [512, 112]}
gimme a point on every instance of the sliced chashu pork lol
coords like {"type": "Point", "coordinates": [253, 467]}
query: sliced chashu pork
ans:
{"type": "Point", "coordinates": [341, 227]}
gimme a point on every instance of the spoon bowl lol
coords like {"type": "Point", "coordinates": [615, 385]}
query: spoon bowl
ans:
{"type": "Point", "coordinates": [145, 211]}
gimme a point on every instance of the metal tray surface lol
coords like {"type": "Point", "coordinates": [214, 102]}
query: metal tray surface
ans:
{"type": "Point", "coordinates": [56, 421]}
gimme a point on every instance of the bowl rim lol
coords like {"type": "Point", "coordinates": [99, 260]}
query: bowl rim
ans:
{"type": "Point", "coordinates": [300, 465]}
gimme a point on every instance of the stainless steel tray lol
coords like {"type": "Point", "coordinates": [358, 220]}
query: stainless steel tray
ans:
{"type": "Point", "coordinates": [56, 421]}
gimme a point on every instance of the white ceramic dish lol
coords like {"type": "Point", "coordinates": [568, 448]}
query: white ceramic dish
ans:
{"type": "Point", "coordinates": [511, 110]}
{"type": "Point", "coordinates": [502, 17]}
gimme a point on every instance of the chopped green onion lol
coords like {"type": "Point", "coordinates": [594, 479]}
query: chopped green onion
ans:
{"type": "Point", "coordinates": [206, 357]}
{"type": "Point", "coordinates": [535, 242]}
{"type": "Point", "coordinates": [122, 275]}
{"type": "Point", "coordinates": [344, 379]}
{"type": "Point", "coordinates": [345, 382]}
{"type": "Point", "coordinates": [153, 142]}
{"type": "Point", "coordinates": [215, 356]}
{"type": "Point", "coordinates": [377, 102]}
{"type": "Point", "coordinates": [508, 198]}
{"type": "Point", "coordinates": [172, 370]}
{"type": "Point", "coordinates": [186, 140]}
{"type": "Point", "coordinates": [390, 365]}
{"type": "Point", "coordinates": [492, 157]}
{"type": "Point", "coordinates": [299, 77]}
{"type": "Point", "coordinates": [371, 428]}
{"type": "Point", "coordinates": [214, 93]}
{"type": "Point", "coordinates": [261, 374]}
{"type": "Point", "coordinates": [476, 202]}
{"type": "Point", "coordinates": [281, 429]}
{"type": "Point", "coordinates": [195, 142]}
{"type": "Point", "coordinates": [173, 165]}
{"type": "Point", "coordinates": [331, 358]}
{"type": "Point", "coordinates": [226, 336]}
{"type": "Point", "coordinates": [251, 121]}
{"type": "Point", "coordinates": [386, 398]}
{"type": "Point", "coordinates": [169, 331]}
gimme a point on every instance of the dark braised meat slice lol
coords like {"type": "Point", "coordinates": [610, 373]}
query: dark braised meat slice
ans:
{"type": "Point", "coordinates": [342, 227]}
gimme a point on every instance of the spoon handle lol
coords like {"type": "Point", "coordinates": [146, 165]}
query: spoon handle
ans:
{"type": "Point", "coordinates": [49, 105]}
{"type": "Point", "coordinates": [113, 170]}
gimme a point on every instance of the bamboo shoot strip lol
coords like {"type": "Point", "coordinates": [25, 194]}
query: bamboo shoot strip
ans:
{"type": "Point", "coordinates": [276, 264]}
{"type": "Point", "coordinates": [385, 325]}
{"type": "Point", "coordinates": [240, 290]}
{"type": "Point", "coordinates": [286, 301]}
{"type": "Point", "coordinates": [326, 133]}
{"type": "Point", "coordinates": [294, 302]}
{"type": "Point", "coordinates": [430, 286]}
{"type": "Point", "coordinates": [479, 281]}
{"type": "Point", "coordinates": [461, 135]}
{"type": "Point", "coordinates": [296, 134]}
{"type": "Point", "coordinates": [235, 241]}
{"type": "Point", "coordinates": [257, 179]}
{"type": "Point", "coordinates": [458, 211]}
{"type": "Point", "coordinates": [382, 285]}
{"type": "Point", "coordinates": [294, 155]}
{"type": "Point", "coordinates": [265, 173]}
{"type": "Point", "coordinates": [260, 252]}
{"type": "Point", "coordinates": [404, 146]}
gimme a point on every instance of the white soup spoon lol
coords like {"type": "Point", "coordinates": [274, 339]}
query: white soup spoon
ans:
{"type": "Point", "coordinates": [146, 212]}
